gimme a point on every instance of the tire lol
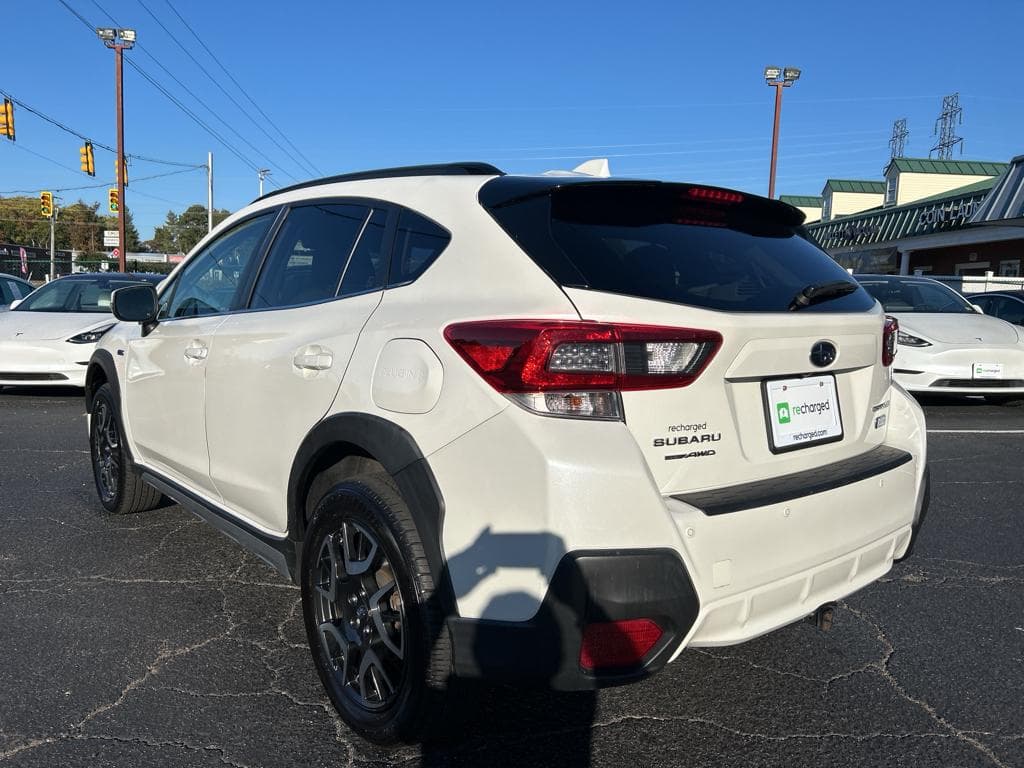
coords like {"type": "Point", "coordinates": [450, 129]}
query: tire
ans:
{"type": "Point", "coordinates": [120, 488]}
{"type": "Point", "coordinates": [375, 628]}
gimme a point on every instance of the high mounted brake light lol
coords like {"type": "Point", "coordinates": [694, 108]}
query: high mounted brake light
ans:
{"type": "Point", "coordinates": [578, 368]}
{"type": "Point", "coordinates": [715, 195]}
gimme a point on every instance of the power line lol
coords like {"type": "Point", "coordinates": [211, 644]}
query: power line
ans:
{"type": "Point", "coordinates": [100, 186]}
{"type": "Point", "coordinates": [84, 137]}
{"type": "Point", "coordinates": [240, 88]}
{"type": "Point", "coordinates": [191, 93]}
{"type": "Point", "coordinates": [44, 157]}
{"type": "Point", "coordinates": [167, 93]}
{"type": "Point", "coordinates": [225, 92]}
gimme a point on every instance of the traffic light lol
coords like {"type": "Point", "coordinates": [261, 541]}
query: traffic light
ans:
{"type": "Point", "coordinates": [46, 204]}
{"type": "Point", "coordinates": [117, 171]}
{"type": "Point", "coordinates": [86, 156]}
{"type": "Point", "coordinates": [7, 119]}
{"type": "Point", "coordinates": [112, 201]}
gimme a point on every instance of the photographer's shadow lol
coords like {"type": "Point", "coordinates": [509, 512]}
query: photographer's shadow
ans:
{"type": "Point", "coordinates": [524, 719]}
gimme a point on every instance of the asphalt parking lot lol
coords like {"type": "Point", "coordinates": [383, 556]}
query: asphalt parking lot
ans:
{"type": "Point", "coordinates": [152, 640]}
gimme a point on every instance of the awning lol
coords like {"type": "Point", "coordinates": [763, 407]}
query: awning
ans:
{"type": "Point", "coordinates": [1005, 203]}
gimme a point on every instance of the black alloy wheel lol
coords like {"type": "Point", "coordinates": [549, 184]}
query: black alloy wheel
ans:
{"type": "Point", "coordinates": [375, 629]}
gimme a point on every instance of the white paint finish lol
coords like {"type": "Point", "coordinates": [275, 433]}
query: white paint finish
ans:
{"type": "Point", "coordinates": [407, 377]}
{"type": "Point", "coordinates": [727, 398]}
{"type": "Point", "coordinates": [976, 431]}
{"type": "Point", "coordinates": [261, 404]}
{"type": "Point", "coordinates": [164, 393]}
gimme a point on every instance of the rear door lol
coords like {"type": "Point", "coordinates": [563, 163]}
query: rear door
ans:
{"type": "Point", "coordinates": [275, 369]}
{"type": "Point", "coordinates": [795, 383]}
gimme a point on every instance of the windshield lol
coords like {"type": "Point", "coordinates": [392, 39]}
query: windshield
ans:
{"type": "Point", "coordinates": [916, 296]}
{"type": "Point", "coordinates": [78, 295]}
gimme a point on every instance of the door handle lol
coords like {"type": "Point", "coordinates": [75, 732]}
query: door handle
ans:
{"type": "Point", "coordinates": [313, 358]}
{"type": "Point", "coordinates": [196, 351]}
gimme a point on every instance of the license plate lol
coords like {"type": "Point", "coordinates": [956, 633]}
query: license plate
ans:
{"type": "Point", "coordinates": [802, 412]}
{"type": "Point", "coordinates": [988, 370]}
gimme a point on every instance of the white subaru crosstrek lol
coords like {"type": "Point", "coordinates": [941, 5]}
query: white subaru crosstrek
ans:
{"type": "Point", "coordinates": [550, 430]}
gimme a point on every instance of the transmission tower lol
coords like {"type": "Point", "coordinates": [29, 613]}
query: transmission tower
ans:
{"type": "Point", "coordinates": [945, 127]}
{"type": "Point", "coordinates": [899, 138]}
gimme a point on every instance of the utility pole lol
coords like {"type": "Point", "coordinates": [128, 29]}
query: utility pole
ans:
{"type": "Point", "coordinates": [262, 173]}
{"type": "Point", "coordinates": [778, 78]}
{"type": "Point", "coordinates": [119, 39]}
{"type": "Point", "coordinates": [209, 192]}
{"type": "Point", "coordinates": [53, 242]}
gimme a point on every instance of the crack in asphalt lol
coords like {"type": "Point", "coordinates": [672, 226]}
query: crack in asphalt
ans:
{"type": "Point", "coordinates": [887, 674]}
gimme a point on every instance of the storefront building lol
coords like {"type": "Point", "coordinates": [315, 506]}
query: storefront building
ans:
{"type": "Point", "coordinates": [969, 229]}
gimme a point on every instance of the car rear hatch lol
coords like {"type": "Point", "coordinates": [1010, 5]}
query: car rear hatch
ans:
{"type": "Point", "coordinates": [796, 381]}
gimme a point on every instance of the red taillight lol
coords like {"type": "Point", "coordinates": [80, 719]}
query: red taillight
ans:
{"type": "Point", "coordinates": [617, 644]}
{"type": "Point", "coordinates": [716, 195]}
{"type": "Point", "coordinates": [522, 356]}
{"type": "Point", "coordinates": [890, 335]}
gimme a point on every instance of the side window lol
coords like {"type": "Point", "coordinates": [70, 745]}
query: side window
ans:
{"type": "Point", "coordinates": [7, 294]}
{"type": "Point", "coordinates": [418, 242]}
{"type": "Point", "coordinates": [309, 255]}
{"type": "Point", "coordinates": [368, 268]}
{"type": "Point", "coordinates": [211, 280]}
{"type": "Point", "coordinates": [21, 290]}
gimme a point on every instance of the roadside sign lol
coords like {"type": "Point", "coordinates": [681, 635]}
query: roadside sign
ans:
{"type": "Point", "coordinates": [115, 254]}
{"type": "Point", "coordinates": [110, 237]}
{"type": "Point", "coordinates": [24, 261]}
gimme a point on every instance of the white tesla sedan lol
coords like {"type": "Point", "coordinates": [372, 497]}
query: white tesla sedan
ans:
{"type": "Point", "coordinates": [945, 344]}
{"type": "Point", "coordinates": [47, 338]}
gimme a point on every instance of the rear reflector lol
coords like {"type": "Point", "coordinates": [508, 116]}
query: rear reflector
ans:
{"type": "Point", "coordinates": [617, 644]}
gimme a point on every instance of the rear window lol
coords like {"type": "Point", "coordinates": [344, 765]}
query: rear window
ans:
{"type": "Point", "coordinates": [658, 241]}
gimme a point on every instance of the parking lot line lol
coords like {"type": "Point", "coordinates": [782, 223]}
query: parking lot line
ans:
{"type": "Point", "coordinates": [976, 431]}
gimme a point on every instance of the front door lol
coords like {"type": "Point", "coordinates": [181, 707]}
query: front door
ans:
{"type": "Point", "coordinates": [165, 385]}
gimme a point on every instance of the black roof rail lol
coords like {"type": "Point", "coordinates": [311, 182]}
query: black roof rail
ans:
{"type": "Point", "coordinates": [437, 169]}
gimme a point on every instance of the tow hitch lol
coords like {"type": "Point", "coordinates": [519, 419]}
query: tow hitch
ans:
{"type": "Point", "coordinates": [822, 617]}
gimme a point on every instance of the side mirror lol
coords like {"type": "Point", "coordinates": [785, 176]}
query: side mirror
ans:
{"type": "Point", "coordinates": [15, 303]}
{"type": "Point", "coordinates": [978, 309]}
{"type": "Point", "coordinates": [135, 304]}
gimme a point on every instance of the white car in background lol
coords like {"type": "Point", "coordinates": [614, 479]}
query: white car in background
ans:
{"type": "Point", "coordinates": [47, 338]}
{"type": "Point", "coordinates": [13, 289]}
{"type": "Point", "coordinates": [945, 344]}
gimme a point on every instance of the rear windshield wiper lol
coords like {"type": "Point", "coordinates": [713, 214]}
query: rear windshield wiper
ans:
{"type": "Point", "coordinates": [815, 294]}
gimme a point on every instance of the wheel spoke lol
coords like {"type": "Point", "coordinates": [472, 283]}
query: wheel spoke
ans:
{"type": "Point", "coordinates": [329, 550]}
{"type": "Point", "coordinates": [354, 539]}
{"type": "Point", "coordinates": [377, 611]}
{"type": "Point", "coordinates": [337, 648]}
{"type": "Point", "coordinates": [372, 675]}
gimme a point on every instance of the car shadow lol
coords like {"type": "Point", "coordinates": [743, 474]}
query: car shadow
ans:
{"type": "Point", "coordinates": [497, 724]}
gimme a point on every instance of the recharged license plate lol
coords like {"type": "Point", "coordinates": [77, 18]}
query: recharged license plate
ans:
{"type": "Point", "coordinates": [802, 412]}
{"type": "Point", "coordinates": [988, 370]}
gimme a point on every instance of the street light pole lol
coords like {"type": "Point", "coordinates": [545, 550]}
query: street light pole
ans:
{"type": "Point", "coordinates": [262, 173]}
{"type": "Point", "coordinates": [778, 78]}
{"type": "Point", "coordinates": [119, 39]}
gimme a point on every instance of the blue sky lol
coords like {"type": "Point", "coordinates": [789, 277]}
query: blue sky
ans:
{"type": "Point", "coordinates": [663, 89]}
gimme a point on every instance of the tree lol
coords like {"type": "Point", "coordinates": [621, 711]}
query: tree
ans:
{"type": "Point", "coordinates": [21, 224]}
{"type": "Point", "coordinates": [180, 232]}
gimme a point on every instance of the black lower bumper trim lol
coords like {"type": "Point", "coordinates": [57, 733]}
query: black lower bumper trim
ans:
{"type": "Point", "coordinates": [586, 588]}
{"type": "Point", "coordinates": [776, 490]}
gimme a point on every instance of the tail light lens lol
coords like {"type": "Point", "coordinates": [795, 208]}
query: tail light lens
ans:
{"type": "Point", "coordinates": [573, 368]}
{"type": "Point", "coordinates": [890, 335]}
{"type": "Point", "coordinates": [617, 644]}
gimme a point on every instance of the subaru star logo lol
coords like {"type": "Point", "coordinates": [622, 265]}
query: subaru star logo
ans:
{"type": "Point", "coordinates": [823, 353]}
